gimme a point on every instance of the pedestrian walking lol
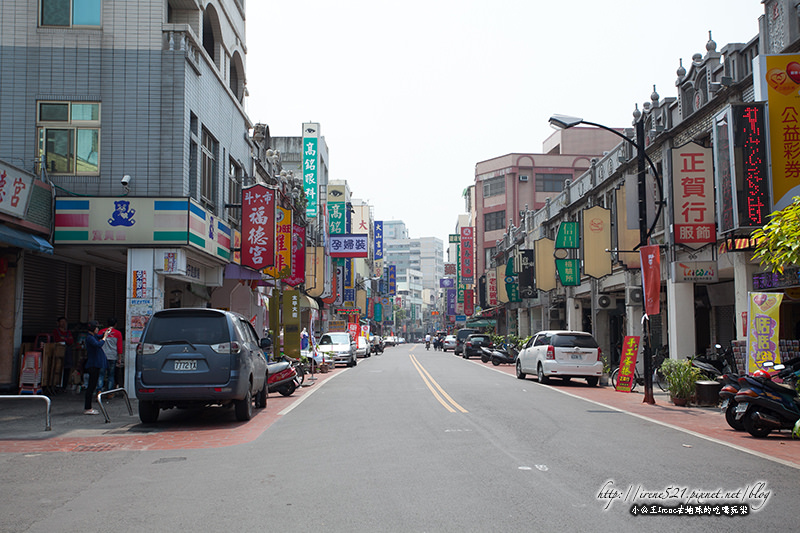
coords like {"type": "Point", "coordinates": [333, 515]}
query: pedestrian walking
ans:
{"type": "Point", "coordinates": [113, 350]}
{"type": "Point", "coordinates": [95, 363]}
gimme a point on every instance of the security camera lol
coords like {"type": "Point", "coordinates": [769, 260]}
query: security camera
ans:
{"type": "Point", "coordinates": [126, 180]}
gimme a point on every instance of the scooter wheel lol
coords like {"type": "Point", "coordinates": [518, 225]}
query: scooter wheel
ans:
{"type": "Point", "coordinates": [496, 361]}
{"type": "Point", "coordinates": [484, 359]}
{"type": "Point", "coordinates": [753, 426]}
{"type": "Point", "coordinates": [730, 417]}
{"type": "Point", "coordinates": [288, 389]}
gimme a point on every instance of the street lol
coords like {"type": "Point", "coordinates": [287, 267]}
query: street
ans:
{"type": "Point", "coordinates": [411, 440]}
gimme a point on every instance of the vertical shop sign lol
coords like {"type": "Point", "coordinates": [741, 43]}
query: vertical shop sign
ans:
{"type": "Point", "coordinates": [693, 186]}
{"type": "Point", "coordinates": [783, 82]}
{"type": "Point", "coordinates": [310, 170]}
{"type": "Point", "coordinates": [378, 240]}
{"type": "Point", "coordinates": [298, 274]}
{"type": "Point", "coordinates": [258, 227]}
{"type": "Point", "coordinates": [491, 288]}
{"type": "Point", "coordinates": [651, 278]}
{"type": "Point", "coordinates": [627, 363]}
{"type": "Point", "coordinates": [291, 323]}
{"type": "Point", "coordinates": [763, 329]}
{"type": "Point", "coordinates": [392, 280]}
{"type": "Point", "coordinates": [467, 256]}
{"type": "Point", "coordinates": [527, 281]}
{"type": "Point", "coordinates": [283, 244]}
{"type": "Point", "coordinates": [469, 302]}
{"type": "Point", "coordinates": [512, 285]}
{"type": "Point", "coordinates": [451, 302]}
{"type": "Point", "coordinates": [597, 241]}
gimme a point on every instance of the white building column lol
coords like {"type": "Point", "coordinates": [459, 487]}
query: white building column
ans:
{"type": "Point", "coordinates": [681, 328]}
{"type": "Point", "coordinates": [743, 283]}
{"type": "Point", "coordinates": [574, 314]}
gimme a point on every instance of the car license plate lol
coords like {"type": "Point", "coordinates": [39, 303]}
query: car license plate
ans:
{"type": "Point", "coordinates": [577, 356]}
{"type": "Point", "coordinates": [185, 365]}
{"type": "Point", "coordinates": [741, 407]}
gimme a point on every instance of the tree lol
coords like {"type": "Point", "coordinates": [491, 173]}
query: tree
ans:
{"type": "Point", "coordinates": [778, 242]}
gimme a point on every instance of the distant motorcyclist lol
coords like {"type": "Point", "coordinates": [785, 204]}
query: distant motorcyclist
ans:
{"type": "Point", "coordinates": [428, 341]}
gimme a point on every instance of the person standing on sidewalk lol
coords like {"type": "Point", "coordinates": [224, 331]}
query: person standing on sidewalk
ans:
{"type": "Point", "coordinates": [113, 350]}
{"type": "Point", "coordinates": [95, 363]}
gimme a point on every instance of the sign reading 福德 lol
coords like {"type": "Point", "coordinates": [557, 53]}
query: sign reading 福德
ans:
{"type": "Point", "coordinates": [258, 227]}
{"type": "Point", "coordinates": [693, 183]}
{"type": "Point", "coordinates": [310, 170]}
{"type": "Point", "coordinates": [627, 363]}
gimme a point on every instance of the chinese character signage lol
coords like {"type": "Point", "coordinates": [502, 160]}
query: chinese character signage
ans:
{"type": "Point", "coordinates": [469, 302]}
{"type": "Point", "coordinates": [627, 363]}
{"type": "Point", "coordinates": [491, 288]}
{"type": "Point", "coordinates": [360, 220]}
{"type": "Point", "coordinates": [693, 186]}
{"type": "Point", "coordinates": [258, 227]}
{"type": "Point", "coordinates": [763, 329]}
{"type": "Point", "coordinates": [783, 88]}
{"type": "Point", "coordinates": [567, 236]}
{"type": "Point", "coordinates": [451, 301]}
{"type": "Point", "coordinates": [696, 272]}
{"type": "Point", "coordinates": [348, 245]}
{"type": "Point", "coordinates": [741, 166]}
{"type": "Point", "coordinates": [467, 256]}
{"type": "Point", "coordinates": [310, 170]}
{"type": "Point", "coordinates": [512, 285]}
{"type": "Point", "coordinates": [298, 274]}
{"type": "Point", "coordinates": [337, 210]}
{"type": "Point", "coordinates": [527, 281]}
{"type": "Point", "coordinates": [291, 323]}
{"type": "Point", "coordinates": [15, 190]}
{"type": "Point", "coordinates": [283, 244]}
{"type": "Point", "coordinates": [449, 269]}
{"type": "Point", "coordinates": [392, 279]}
{"type": "Point", "coordinates": [378, 239]}
{"type": "Point", "coordinates": [569, 271]}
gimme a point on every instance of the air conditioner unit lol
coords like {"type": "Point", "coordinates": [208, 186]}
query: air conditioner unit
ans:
{"type": "Point", "coordinates": [604, 301]}
{"type": "Point", "coordinates": [523, 177]}
{"type": "Point", "coordinates": [634, 296]}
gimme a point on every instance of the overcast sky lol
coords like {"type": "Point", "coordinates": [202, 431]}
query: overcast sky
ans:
{"type": "Point", "coordinates": [411, 95]}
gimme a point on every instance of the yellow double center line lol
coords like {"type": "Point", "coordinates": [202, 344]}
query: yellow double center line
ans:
{"type": "Point", "coordinates": [437, 391]}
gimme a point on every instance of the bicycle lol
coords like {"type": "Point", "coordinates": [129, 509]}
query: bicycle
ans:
{"type": "Point", "coordinates": [658, 377]}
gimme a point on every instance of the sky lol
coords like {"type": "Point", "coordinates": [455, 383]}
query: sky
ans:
{"type": "Point", "coordinates": [411, 95]}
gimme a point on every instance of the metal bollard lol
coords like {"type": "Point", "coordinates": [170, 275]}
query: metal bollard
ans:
{"type": "Point", "coordinates": [112, 391]}
{"type": "Point", "coordinates": [34, 397]}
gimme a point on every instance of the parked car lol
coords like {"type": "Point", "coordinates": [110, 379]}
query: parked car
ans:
{"type": "Point", "coordinates": [377, 344]}
{"type": "Point", "coordinates": [473, 343]}
{"type": "Point", "coordinates": [199, 357]}
{"type": "Point", "coordinates": [362, 347]}
{"type": "Point", "coordinates": [390, 341]}
{"type": "Point", "coordinates": [340, 346]}
{"type": "Point", "coordinates": [449, 343]}
{"type": "Point", "coordinates": [461, 336]}
{"type": "Point", "coordinates": [562, 354]}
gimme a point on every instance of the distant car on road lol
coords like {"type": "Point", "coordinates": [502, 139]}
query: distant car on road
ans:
{"type": "Point", "coordinates": [449, 343]}
{"type": "Point", "coordinates": [362, 347]}
{"type": "Point", "coordinates": [473, 344]}
{"type": "Point", "coordinates": [340, 347]}
{"type": "Point", "coordinates": [461, 336]}
{"type": "Point", "coordinates": [561, 354]}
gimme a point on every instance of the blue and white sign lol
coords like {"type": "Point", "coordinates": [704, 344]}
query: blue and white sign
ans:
{"type": "Point", "coordinates": [378, 239]}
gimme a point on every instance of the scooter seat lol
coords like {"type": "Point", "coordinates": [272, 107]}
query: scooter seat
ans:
{"type": "Point", "coordinates": [274, 368]}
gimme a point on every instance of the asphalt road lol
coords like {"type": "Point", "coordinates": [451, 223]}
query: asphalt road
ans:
{"type": "Point", "coordinates": [411, 440]}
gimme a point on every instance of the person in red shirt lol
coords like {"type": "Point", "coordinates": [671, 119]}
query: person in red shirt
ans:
{"type": "Point", "coordinates": [113, 349]}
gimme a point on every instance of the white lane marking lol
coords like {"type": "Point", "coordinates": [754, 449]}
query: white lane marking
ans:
{"type": "Point", "coordinates": [309, 393]}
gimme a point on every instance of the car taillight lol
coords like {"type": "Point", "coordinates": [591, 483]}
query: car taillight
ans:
{"type": "Point", "coordinates": [551, 352]}
{"type": "Point", "coordinates": [148, 349]}
{"type": "Point", "coordinates": [226, 347]}
{"type": "Point", "coordinates": [599, 354]}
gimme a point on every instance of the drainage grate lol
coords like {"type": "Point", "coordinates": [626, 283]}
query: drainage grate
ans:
{"type": "Point", "coordinates": [107, 447]}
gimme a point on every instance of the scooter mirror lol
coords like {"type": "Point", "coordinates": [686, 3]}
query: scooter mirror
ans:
{"type": "Point", "coordinates": [768, 364]}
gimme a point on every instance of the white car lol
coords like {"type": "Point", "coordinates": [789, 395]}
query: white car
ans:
{"type": "Point", "coordinates": [339, 346]}
{"type": "Point", "coordinates": [561, 354]}
{"type": "Point", "coordinates": [449, 343]}
{"type": "Point", "coordinates": [362, 347]}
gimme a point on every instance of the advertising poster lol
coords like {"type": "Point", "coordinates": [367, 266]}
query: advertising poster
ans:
{"type": "Point", "coordinates": [783, 95]}
{"type": "Point", "coordinates": [627, 363]}
{"type": "Point", "coordinates": [283, 245]}
{"type": "Point", "coordinates": [763, 329]}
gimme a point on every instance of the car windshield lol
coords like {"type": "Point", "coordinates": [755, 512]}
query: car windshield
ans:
{"type": "Point", "coordinates": [191, 327]}
{"type": "Point", "coordinates": [335, 338]}
{"type": "Point", "coordinates": [578, 341]}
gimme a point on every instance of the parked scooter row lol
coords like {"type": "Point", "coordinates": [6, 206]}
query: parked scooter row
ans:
{"type": "Point", "coordinates": [285, 376]}
{"type": "Point", "coordinates": [763, 405]}
{"type": "Point", "coordinates": [501, 354]}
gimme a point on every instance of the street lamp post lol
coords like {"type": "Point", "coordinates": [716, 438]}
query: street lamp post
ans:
{"type": "Point", "coordinates": [565, 122]}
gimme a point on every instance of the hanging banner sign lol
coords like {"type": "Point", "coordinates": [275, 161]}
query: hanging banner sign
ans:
{"type": "Point", "coordinates": [569, 271]}
{"type": "Point", "coordinates": [763, 329]}
{"type": "Point", "coordinates": [568, 235]}
{"type": "Point", "coordinates": [651, 278]}
{"type": "Point", "coordinates": [597, 241]}
{"type": "Point", "coordinates": [693, 183]}
{"type": "Point", "coordinates": [283, 244]}
{"type": "Point", "coordinates": [512, 286]}
{"type": "Point", "coordinates": [469, 302]}
{"type": "Point", "coordinates": [258, 227]}
{"type": "Point", "coordinates": [298, 274]}
{"type": "Point", "coordinates": [527, 281]}
{"type": "Point", "coordinates": [491, 288]}
{"type": "Point", "coordinates": [627, 363]}
{"type": "Point", "coordinates": [451, 301]}
{"type": "Point", "coordinates": [392, 280]}
{"type": "Point", "coordinates": [310, 171]}
{"type": "Point", "coordinates": [378, 240]}
{"type": "Point", "coordinates": [348, 245]}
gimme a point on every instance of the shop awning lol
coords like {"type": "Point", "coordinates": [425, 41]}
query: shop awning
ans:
{"type": "Point", "coordinates": [481, 323]}
{"type": "Point", "coordinates": [307, 302]}
{"type": "Point", "coordinates": [21, 239]}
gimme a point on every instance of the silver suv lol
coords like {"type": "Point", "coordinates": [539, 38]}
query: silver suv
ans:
{"type": "Point", "coordinates": [199, 357]}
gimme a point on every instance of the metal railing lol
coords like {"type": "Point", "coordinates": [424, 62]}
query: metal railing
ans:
{"type": "Point", "coordinates": [113, 391]}
{"type": "Point", "coordinates": [32, 397]}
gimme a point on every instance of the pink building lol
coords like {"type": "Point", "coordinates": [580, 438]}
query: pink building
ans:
{"type": "Point", "coordinates": [508, 184]}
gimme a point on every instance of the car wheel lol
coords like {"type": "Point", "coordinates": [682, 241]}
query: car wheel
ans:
{"type": "Point", "coordinates": [148, 412]}
{"type": "Point", "coordinates": [520, 373]}
{"type": "Point", "coordinates": [540, 373]}
{"type": "Point", "coordinates": [261, 397]}
{"type": "Point", "coordinates": [244, 408]}
{"type": "Point", "coordinates": [592, 382]}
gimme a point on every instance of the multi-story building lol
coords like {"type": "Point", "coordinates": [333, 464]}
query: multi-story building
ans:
{"type": "Point", "coordinates": [133, 113]}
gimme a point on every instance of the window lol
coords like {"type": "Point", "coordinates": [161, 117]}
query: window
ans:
{"type": "Point", "coordinates": [234, 189]}
{"type": "Point", "coordinates": [208, 167]}
{"type": "Point", "coordinates": [551, 182]}
{"type": "Point", "coordinates": [494, 187]}
{"type": "Point", "coordinates": [69, 137]}
{"type": "Point", "coordinates": [69, 13]}
{"type": "Point", "coordinates": [493, 221]}
{"type": "Point", "coordinates": [489, 256]}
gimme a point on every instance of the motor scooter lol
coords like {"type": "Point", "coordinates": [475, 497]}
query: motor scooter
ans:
{"type": "Point", "coordinates": [764, 405]}
{"type": "Point", "coordinates": [499, 355]}
{"type": "Point", "coordinates": [283, 376]}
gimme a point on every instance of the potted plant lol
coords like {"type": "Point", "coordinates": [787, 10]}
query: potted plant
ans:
{"type": "Point", "coordinates": [680, 377]}
{"type": "Point", "coordinates": [606, 370]}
